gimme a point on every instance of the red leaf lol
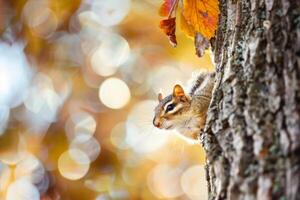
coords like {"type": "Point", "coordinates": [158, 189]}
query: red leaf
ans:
{"type": "Point", "coordinates": [167, 7]}
{"type": "Point", "coordinates": [169, 27]}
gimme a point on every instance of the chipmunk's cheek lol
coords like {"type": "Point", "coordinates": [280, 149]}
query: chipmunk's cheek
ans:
{"type": "Point", "coordinates": [168, 125]}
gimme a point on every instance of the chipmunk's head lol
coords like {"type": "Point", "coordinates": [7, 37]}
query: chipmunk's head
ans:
{"type": "Point", "coordinates": [171, 109]}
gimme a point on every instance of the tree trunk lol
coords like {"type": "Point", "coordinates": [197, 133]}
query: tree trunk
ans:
{"type": "Point", "coordinates": [252, 135]}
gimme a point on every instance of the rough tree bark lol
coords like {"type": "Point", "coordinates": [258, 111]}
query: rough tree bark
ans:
{"type": "Point", "coordinates": [252, 135]}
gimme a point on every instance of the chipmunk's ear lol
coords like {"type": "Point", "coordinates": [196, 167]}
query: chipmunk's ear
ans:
{"type": "Point", "coordinates": [160, 97]}
{"type": "Point", "coordinates": [178, 91]}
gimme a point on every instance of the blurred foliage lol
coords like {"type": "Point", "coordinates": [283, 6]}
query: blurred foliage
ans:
{"type": "Point", "coordinates": [78, 83]}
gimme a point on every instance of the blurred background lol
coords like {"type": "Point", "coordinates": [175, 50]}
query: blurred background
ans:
{"type": "Point", "coordinates": [78, 84]}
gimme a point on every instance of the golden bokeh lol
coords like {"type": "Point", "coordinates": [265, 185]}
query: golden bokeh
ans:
{"type": "Point", "coordinates": [78, 85]}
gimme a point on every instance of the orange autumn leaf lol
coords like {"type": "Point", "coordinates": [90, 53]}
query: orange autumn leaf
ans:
{"type": "Point", "coordinates": [186, 27]}
{"type": "Point", "coordinates": [198, 19]}
{"type": "Point", "coordinates": [202, 15]}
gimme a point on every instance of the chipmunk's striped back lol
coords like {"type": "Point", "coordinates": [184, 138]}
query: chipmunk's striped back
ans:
{"type": "Point", "coordinates": [199, 80]}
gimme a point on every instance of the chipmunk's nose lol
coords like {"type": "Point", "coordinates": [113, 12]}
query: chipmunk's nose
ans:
{"type": "Point", "coordinates": [156, 122]}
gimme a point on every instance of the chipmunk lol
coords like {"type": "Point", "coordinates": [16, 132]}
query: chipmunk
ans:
{"type": "Point", "coordinates": [186, 113]}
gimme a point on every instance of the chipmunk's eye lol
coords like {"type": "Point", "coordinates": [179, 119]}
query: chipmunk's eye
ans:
{"type": "Point", "coordinates": [170, 107]}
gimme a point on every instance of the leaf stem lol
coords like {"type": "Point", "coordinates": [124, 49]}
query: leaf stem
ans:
{"type": "Point", "coordinates": [173, 8]}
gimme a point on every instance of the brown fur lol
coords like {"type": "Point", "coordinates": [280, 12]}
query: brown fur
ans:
{"type": "Point", "coordinates": [189, 113]}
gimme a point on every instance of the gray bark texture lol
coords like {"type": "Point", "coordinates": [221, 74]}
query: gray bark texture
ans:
{"type": "Point", "coordinates": [252, 133]}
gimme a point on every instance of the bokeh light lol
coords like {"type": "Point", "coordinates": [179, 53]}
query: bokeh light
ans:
{"type": "Point", "coordinates": [4, 116]}
{"type": "Point", "coordinates": [22, 189]}
{"type": "Point", "coordinates": [140, 133]}
{"type": "Point", "coordinates": [112, 52]}
{"type": "Point", "coordinates": [114, 93]}
{"type": "Point", "coordinates": [43, 185]}
{"type": "Point", "coordinates": [80, 123]}
{"type": "Point", "coordinates": [164, 181]}
{"type": "Point", "coordinates": [42, 101]}
{"type": "Point", "coordinates": [5, 178]}
{"type": "Point", "coordinates": [100, 183]}
{"type": "Point", "coordinates": [12, 157]}
{"type": "Point", "coordinates": [118, 136]}
{"type": "Point", "coordinates": [78, 84]}
{"type": "Point", "coordinates": [67, 49]}
{"type": "Point", "coordinates": [110, 13]}
{"type": "Point", "coordinates": [36, 12]}
{"type": "Point", "coordinates": [30, 168]}
{"type": "Point", "coordinates": [13, 148]}
{"type": "Point", "coordinates": [88, 145]}
{"type": "Point", "coordinates": [15, 74]}
{"type": "Point", "coordinates": [73, 164]}
{"type": "Point", "coordinates": [40, 18]}
{"type": "Point", "coordinates": [193, 184]}
{"type": "Point", "coordinates": [161, 84]}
